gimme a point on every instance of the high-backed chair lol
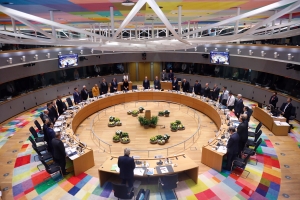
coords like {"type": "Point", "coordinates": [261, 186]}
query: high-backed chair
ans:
{"type": "Point", "coordinates": [69, 101]}
{"type": "Point", "coordinates": [52, 169]}
{"type": "Point", "coordinates": [35, 135]}
{"type": "Point", "coordinates": [251, 133]}
{"type": "Point", "coordinates": [121, 191]}
{"type": "Point", "coordinates": [168, 182]}
{"type": "Point", "coordinates": [240, 163]}
{"type": "Point", "coordinates": [252, 143]}
{"type": "Point", "coordinates": [250, 151]}
{"type": "Point", "coordinates": [38, 125]}
{"type": "Point", "coordinates": [38, 148]}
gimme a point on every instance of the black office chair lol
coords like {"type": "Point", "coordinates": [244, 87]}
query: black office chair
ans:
{"type": "Point", "coordinates": [52, 169]}
{"type": "Point", "coordinates": [35, 135]}
{"type": "Point", "coordinates": [42, 156]}
{"type": "Point", "coordinates": [38, 125]}
{"type": "Point", "coordinates": [251, 151]}
{"type": "Point", "coordinates": [293, 116]}
{"type": "Point", "coordinates": [69, 101]}
{"type": "Point", "coordinates": [251, 133]}
{"type": "Point", "coordinates": [252, 143]}
{"type": "Point", "coordinates": [168, 182]}
{"type": "Point", "coordinates": [240, 163]}
{"type": "Point", "coordinates": [134, 87]}
{"type": "Point", "coordinates": [42, 117]}
{"type": "Point", "coordinates": [90, 94]}
{"type": "Point", "coordinates": [38, 148]}
{"type": "Point", "coordinates": [121, 191]}
{"type": "Point", "coordinates": [143, 194]}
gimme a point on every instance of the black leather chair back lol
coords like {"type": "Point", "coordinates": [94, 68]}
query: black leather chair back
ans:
{"type": "Point", "coordinates": [33, 132]}
{"type": "Point", "coordinates": [121, 191]}
{"type": "Point", "coordinates": [37, 124]}
{"type": "Point", "coordinates": [169, 182]}
{"type": "Point", "coordinates": [69, 101]}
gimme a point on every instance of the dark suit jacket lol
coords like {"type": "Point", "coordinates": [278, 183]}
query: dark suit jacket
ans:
{"type": "Point", "coordinates": [84, 94]}
{"type": "Point", "coordinates": [242, 130]}
{"type": "Point", "coordinates": [126, 165]}
{"type": "Point", "coordinates": [164, 76]}
{"type": "Point", "coordinates": [185, 86]}
{"type": "Point", "coordinates": [45, 129]}
{"type": "Point", "coordinates": [215, 93]}
{"type": "Point", "coordinates": [112, 86]}
{"type": "Point", "coordinates": [126, 84]}
{"type": "Point", "coordinates": [58, 149]}
{"type": "Point", "coordinates": [233, 144]}
{"type": "Point", "coordinates": [206, 92]}
{"type": "Point", "coordinates": [54, 111]}
{"type": "Point", "coordinates": [288, 110]}
{"type": "Point", "coordinates": [76, 97]}
{"type": "Point", "coordinates": [171, 76]}
{"type": "Point", "coordinates": [249, 113]}
{"type": "Point", "coordinates": [51, 114]}
{"type": "Point", "coordinates": [157, 83]}
{"type": "Point", "coordinates": [175, 83]}
{"type": "Point", "coordinates": [60, 106]}
{"type": "Point", "coordinates": [273, 101]}
{"type": "Point", "coordinates": [238, 107]}
{"type": "Point", "coordinates": [197, 88]}
{"type": "Point", "coordinates": [146, 84]}
{"type": "Point", "coordinates": [103, 88]}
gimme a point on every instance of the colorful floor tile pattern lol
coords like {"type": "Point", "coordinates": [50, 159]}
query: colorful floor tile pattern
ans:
{"type": "Point", "coordinates": [262, 183]}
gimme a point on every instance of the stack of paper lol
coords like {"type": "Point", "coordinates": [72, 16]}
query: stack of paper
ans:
{"type": "Point", "coordinates": [139, 171]}
{"type": "Point", "coordinates": [150, 171]}
{"type": "Point", "coordinates": [164, 170]}
{"type": "Point", "coordinates": [222, 149]}
{"type": "Point", "coordinates": [115, 167]}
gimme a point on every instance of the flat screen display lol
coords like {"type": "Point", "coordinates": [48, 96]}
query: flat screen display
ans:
{"type": "Point", "coordinates": [217, 57]}
{"type": "Point", "coordinates": [68, 60]}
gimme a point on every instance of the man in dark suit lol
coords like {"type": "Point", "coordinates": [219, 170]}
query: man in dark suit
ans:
{"type": "Point", "coordinates": [274, 99]}
{"type": "Point", "coordinates": [206, 90]}
{"type": "Point", "coordinates": [174, 84]}
{"type": "Point", "coordinates": [197, 88]}
{"type": "Point", "coordinates": [126, 165]}
{"type": "Point", "coordinates": [242, 130]}
{"type": "Point", "coordinates": [164, 75]}
{"type": "Point", "coordinates": [171, 75]}
{"type": "Point", "coordinates": [103, 87]}
{"type": "Point", "coordinates": [286, 109]}
{"type": "Point", "coordinates": [238, 106]}
{"type": "Point", "coordinates": [84, 93]}
{"type": "Point", "coordinates": [146, 83]}
{"type": "Point", "coordinates": [76, 96]}
{"type": "Point", "coordinates": [113, 86]}
{"type": "Point", "coordinates": [50, 135]}
{"type": "Point", "coordinates": [60, 105]}
{"type": "Point", "coordinates": [54, 109]}
{"type": "Point", "coordinates": [51, 114]}
{"type": "Point", "coordinates": [59, 153]}
{"type": "Point", "coordinates": [45, 131]}
{"type": "Point", "coordinates": [45, 115]}
{"type": "Point", "coordinates": [185, 85]}
{"type": "Point", "coordinates": [215, 93]}
{"type": "Point", "coordinates": [248, 111]}
{"type": "Point", "coordinates": [156, 83]}
{"type": "Point", "coordinates": [232, 147]}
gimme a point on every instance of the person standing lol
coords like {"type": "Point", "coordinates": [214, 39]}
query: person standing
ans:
{"type": "Point", "coordinates": [146, 83]}
{"type": "Point", "coordinates": [185, 85]}
{"type": "Point", "coordinates": [163, 75]}
{"type": "Point", "coordinates": [232, 147]}
{"type": "Point", "coordinates": [206, 90]}
{"type": "Point", "coordinates": [174, 83]}
{"type": "Point", "coordinates": [113, 86]}
{"type": "Point", "coordinates": [84, 93]}
{"type": "Point", "coordinates": [60, 105]}
{"type": "Point", "coordinates": [126, 165]}
{"type": "Point", "coordinates": [171, 75]}
{"type": "Point", "coordinates": [59, 153]}
{"type": "Point", "coordinates": [242, 131]}
{"type": "Point", "coordinates": [95, 90]}
{"type": "Point", "coordinates": [224, 95]}
{"type": "Point", "coordinates": [54, 109]}
{"type": "Point", "coordinates": [76, 96]}
{"type": "Point", "coordinates": [51, 114]}
{"type": "Point", "coordinates": [215, 93]}
{"type": "Point", "coordinates": [156, 83]}
{"type": "Point", "coordinates": [197, 88]}
{"type": "Point", "coordinates": [50, 135]}
{"type": "Point", "coordinates": [125, 85]}
{"type": "Point", "coordinates": [230, 101]}
{"type": "Point", "coordinates": [286, 109]}
{"type": "Point", "coordinates": [274, 99]}
{"type": "Point", "coordinates": [238, 106]}
{"type": "Point", "coordinates": [103, 87]}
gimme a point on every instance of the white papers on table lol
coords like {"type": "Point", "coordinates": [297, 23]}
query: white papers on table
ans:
{"type": "Point", "coordinates": [70, 150]}
{"type": "Point", "coordinates": [222, 149]}
{"type": "Point", "coordinates": [164, 170]}
{"type": "Point", "coordinates": [74, 156]}
{"type": "Point", "coordinates": [58, 123]}
{"type": "Point", "coordinates": [150, 171]}
{"type": "Point", "coordinates": [138, 171]}
{"type": "Point", "coordinates": [279, 123]}
{"type": "Point", "coordinates": [56, 129]}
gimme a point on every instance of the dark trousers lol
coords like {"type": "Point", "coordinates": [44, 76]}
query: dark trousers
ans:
{"type": "Point", "coordinates": [224, 101]}
{"type": "Point", "coordinates": [237, 115]}
{"type": "Point", "coordinates": [242, 145]}
{"type": "Point", "coordinates": [62, 164]}
{"type": "Point", "coordinates": [230, 107]}
{"type": "Point", "coordinates": [129, 181]}
{"type": "Point", "coordinates": [230, 158]}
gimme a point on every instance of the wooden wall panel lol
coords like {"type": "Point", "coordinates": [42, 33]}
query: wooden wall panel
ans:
{"type": "Point", "coordinates": [144, 70]}
{"type": "Point", "coordinates": [156, 69]}
{"type": "Point", "coordinates": [132, 71]}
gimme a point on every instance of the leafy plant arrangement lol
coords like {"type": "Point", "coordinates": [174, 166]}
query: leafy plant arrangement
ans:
{"type": "Point", "coordinates": [181, 127]}
{"type": "Point", "coordinates": [111, 124]}
{"type": "Point", "coordinates": [146, 123]}
{"type": "Point", "coordinates": [153, 121]}
{"type": "Point", "coordinates": [161, 141]}
{"type": "Point", "coordinates": [167, 113]}
{"type": "Point", "coordinates": [124, 134]}
{"type": "Point", "coordinates": [166, 137]}
{"type": "Point", "coordinates": [153, 140]}
{"type": "Point", "coordinates": [135, 113]}
{"type": "Point", "coordinates": [174, 128]}
{"type": "Point", "coordinates": [125, 140]}
{"type": "Point", "coordinates": [141, 119]}
{"type": "Point", "coordinates": [114, 121]}
{"type": "Point", "coordinates": [161, 113]}
{"type": "Point", "coordinates": [129, 112]}
{"type": "Point", "coordinates": [177, 125]}
{"type": "Point", "coordinates": [122, 137]}
{"type": "Point", "coordinates": [111, 118]}
{"type": "Point", "coordinates": [116, 138]}
{"type": "Point", "coordinates": [119, 132]}
{"type": "Point", "coordinates": [177, 122]}
{"type": "Point", "coordinates": [159, 137]}
{"type": "Point", "coordinates": [141, 109]}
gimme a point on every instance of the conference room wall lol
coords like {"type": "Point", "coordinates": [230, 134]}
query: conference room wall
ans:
{"type": "Point", "coordinates": [16, 72]}
{"type": "Point", "coordinates": [255, 93]}
{"type": "Point", "coordinates": [22, 103]}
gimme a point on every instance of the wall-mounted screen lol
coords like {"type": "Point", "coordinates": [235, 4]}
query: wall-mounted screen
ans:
{"type": "Point", "coordinates": [68, 60]}
{"type": "Point", "coordinates": [221, 58]}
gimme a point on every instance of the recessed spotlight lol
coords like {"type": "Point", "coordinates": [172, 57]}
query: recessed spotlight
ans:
{"type": "Point", "coordinates": [159, 7]}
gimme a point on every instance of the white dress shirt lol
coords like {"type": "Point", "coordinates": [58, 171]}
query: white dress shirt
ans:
{"type": "Point", "coordinates": [230, 101]}
{"type": "Point", "coordinates": [225, 94]}
{"type": "Point", "coordinates": [126, 77]}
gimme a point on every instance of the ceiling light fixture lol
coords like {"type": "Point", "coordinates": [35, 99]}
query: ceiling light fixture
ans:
{"type": "Point", "coordinates": [127, 3]}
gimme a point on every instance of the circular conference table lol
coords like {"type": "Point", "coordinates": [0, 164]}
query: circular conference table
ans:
{"type": "Point", "coordinates": [210, 157]}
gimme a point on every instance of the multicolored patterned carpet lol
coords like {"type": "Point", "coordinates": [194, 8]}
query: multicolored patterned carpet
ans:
{"type": "Point", "coordinates": [262, 183]}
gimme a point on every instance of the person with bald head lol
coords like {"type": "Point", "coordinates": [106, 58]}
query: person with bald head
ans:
{"type": "Point", "coordinates": [206, 92]}
{"type": "Point", "coordinates": [126, 165]}
{"type": "Point", "coordinates": [59, 153]}
{"type": "Point", "coordinates": [156, 83]}
{"type": "Point", "coordinates": [146, 83]}
{"type": "Point", "coordinates": [104, 86]}
{"type": "Point", "coordinates": [84, 93]}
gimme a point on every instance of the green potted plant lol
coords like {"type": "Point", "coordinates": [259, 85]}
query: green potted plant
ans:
{"type": "Point", "coordinates": [129, 112]}
{"type": "Point", "coordinates": [125, 140]}
{"type": "Point", "coordinates": [161, 141]}
{"type": "Point", "coordinates": [146, 123]}
{"type": "Point", "coordinates": [166, 137]}
{"type": "Point", "coordinates": [141, 109]}
{"type": "Point", "coordinates": [174, 128]}
{"type": "Point", "coordinates": [111, 118]}
{"type": "Point", "coordinates": [141, 119]}
{"type": "Point", "coordinates": [111, 124]}
{"type": "Point", "coordinates": [153, 121]}
{"type": "Point", "coordinates": [167, 113]}
{"type": "Point", "coordinates": [178, 122]}
{"type": "Point", "coordinates": [173, 124]}
{"type": "Point", "coordinates": [117, 119]}
{"type": "Point", "coordinates": [161, 113]}
{"type": "Point", "coordinates": [116, 138]}
{"type": "Point", "coordinates": [124, 134]}
{"type": "Point", "coordinates": [135, 113]}
{"type": "Point", "coordinates": [159, 137]}
{"type": "Point", "coordinates": [181, 127]}
{"type": "Point", "coordinates": [118, 123]}
{"type": "Point", "coordinates": [119, 132]}
{"type": "Point", "coordinates": [153, 140]}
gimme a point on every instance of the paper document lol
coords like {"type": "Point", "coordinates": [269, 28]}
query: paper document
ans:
{"type": "Point", "coordinates": [74, 157]}
{"type": "Point", "coordinates": [139, 171]}
{"type": "Point", "coordinates": [222, 149]}
{"type": "Point", "coordinates": [150, 171]}
{"type": "Point", "coordinates": [114, 167]}
{"type": "Point", "coordinates": [164, 170]}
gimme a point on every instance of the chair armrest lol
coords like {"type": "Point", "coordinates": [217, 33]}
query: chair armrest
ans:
{"type": "Point", "coordinates": [38, 167]}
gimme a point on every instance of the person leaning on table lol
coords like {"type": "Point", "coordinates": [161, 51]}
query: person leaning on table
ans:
{"type": "Point", "coordinates": [126, 165]}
